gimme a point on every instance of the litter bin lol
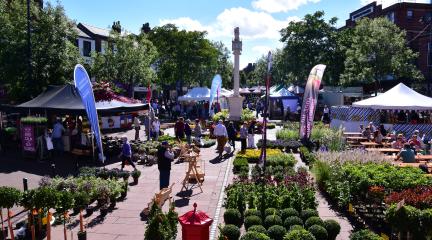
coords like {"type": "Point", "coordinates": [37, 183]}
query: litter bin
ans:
{"type": "Point", "coordinates": [195, 225]}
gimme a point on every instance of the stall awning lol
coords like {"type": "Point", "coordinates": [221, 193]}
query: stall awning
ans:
{"type": "Point", "coordinates": [66, 100]}
{"type": "Point", "coordinates": [399, 97]}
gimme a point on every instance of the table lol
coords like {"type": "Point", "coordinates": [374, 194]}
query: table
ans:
{"type": "Point", "coordinates": [369, 144]}
{"type": "Point", "coordinates": [384, 150]}
{"type": "Point", "coordinates": [415, 165]}
{"type": "Point", "coordinates": [423, 157]}
{"type": "Point", "coordinates": [352, 134]}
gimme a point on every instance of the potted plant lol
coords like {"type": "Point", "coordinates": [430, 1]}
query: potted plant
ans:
{"type": "Point", "coordinates": [65, 202]}
{"type": "Point", "coordinates": [103, 199]}
{"type": "Point", "coordinates": [82, 200]}
{"type": "Point", "coordinates": [125, 175]}
{"type": "Point", "coordinates": [124, 190]}
{"type": "Point", "coordinates": [8, 198]}
{"type": "Point", "coordinates": [135, 175]}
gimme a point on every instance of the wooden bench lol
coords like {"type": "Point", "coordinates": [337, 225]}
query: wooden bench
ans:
{"type": "Point", "coordinates": [160, 198]}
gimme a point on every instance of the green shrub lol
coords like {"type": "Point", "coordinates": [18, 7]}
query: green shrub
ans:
{"type": "Point", "coordinates": [403, 218]}
{"type": "Point", "coordinates": [222, 115]}
{"type": "Point", "coordinates": [307, 213]}
{"type": "Point", "coordinates": [283, 160]}
{"type": "Point", "coordinates": [276, 232]}
{"type": "Point", "coordinates": [365, 235]}
{"type": "Point", "coordinates": [333, 228]}
{"type": "Point", "coordinates": [239, 163]}
{"type": "Point", "coordinates": [313, 221]}
{"type": "Point", "coordinates": [272, 220]}
{"type": "Point", "coordinates": [296, 227]}
{"type": "Point", "coordinates": [254, 236]}
{"type": "Point", "coordinates": [233, 216]}
{"type": "Point", "coordinates": [252, 220]}
{"type": "Point", "coordinates": [271, 211]}
{"type": "Point", "coordinates": [9, 196]}
{"type": "Point", "coordinates": [231, 232]}
{"type": "Point", "coordinates": [287, 134]}
{"type": "Point", "coordinates": [319, 232]}
{"type": "Point", "coordinates": [252, 212]}
{"type": "Point", "coordinates": [257, 228]}
{"type": "Point", "coordinates": [289, 212]}
{"type": "Point", "coordinates": [291, 221]}
{"type": "Point", "coordinates": [299, 235]}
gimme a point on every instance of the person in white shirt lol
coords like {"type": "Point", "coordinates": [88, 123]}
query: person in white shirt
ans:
{"type": "Point", "coordinates": [137, 126]}
{"type": "Point", "coordinates": [156, 128]}
{"type": "Point", "coordinates": [221, 134]}
{"type": "Point", "coordinates": [326, 115]}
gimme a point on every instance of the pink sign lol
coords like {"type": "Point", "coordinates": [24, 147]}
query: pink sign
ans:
{"type": "Point", "coordinates": [28, 140]}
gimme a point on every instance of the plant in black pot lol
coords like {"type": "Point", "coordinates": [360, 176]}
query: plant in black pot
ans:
{"type": "Point", "coordinates": [103, 199]}
{"type": "Point", "coordinates": [125, 175]}
{"type": "Point", "coordinates": [8, 198]}
{"type": "Point", "coordinates": [82, 199]}
{"type": "Point", "coordinates": [115, 190]}
{"type": "Point", "coordinates": [135, 175]}
{"type": "Point", "coordinates": [124, 190]}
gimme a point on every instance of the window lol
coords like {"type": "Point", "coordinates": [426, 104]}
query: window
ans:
{"type": "Point", "coordinates": [104, 45]}
{"type": "Point", "coordinates": [410, 14]}
{"type": "Point", "coordinates": [362, 13]}
{"type": "Point", "coordinates": [86, 48]}
{"type": "Point", "coordinates": [391, 17]}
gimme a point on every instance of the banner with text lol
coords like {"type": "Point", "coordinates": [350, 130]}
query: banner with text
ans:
{"type": "Point", "coordinates": [310, 99]}
{"type": "Point", "coordinates": [85, 89]}
{"type": "Point", "coordinates": [215, 88]}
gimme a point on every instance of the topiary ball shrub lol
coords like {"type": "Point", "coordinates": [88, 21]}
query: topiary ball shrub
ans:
{"type": "Point", "coordinates": [365, 235]}
{"type": "Point", "coordinates": [257, 228]}
{"type": "Point", "coordinates": [299, 235]}
{"type": "Point", "coordinates": [252, 220]}
{"type": "Point", "coordinates": [307, 213]}
{"type": "Point", "coordinates": [254, 236]}
{"type": "Point", "coordinates": [276, 232]}
{"type": "Point", "coordinates": [230, 232]}
{"type": "Point", "coordinates": [271, 211]}
{"type": "Point", "coordinates": [291, 221]}
{"type": "Point", "coordinates": [333, 228]}
{"type": "Point", "coordinates": [252, 212]}
{"type": "Point", "coordinates": [289, 212]}
{"type": "Point", "coordinates": [319, 232]}
{"type": "Point", "coordinates": [233, 216]}
{"type": "Point", "coordinates": [296, 227]}
{"type": "Point", "coordinates": [272, 220]}
{"type": "Point", "coordinates": [313, 221]}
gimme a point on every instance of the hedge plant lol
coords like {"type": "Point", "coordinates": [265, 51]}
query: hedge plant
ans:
{"type": "Point", "coordinates": [299, 235]}
{"type": "Point", "coordinates": [333, 228]}
{"type": "Point", "coordinates": [233, 216]}
{"type": "Point", "coordinates": [252, 220]}
{"type": "Point", "coordinates": [276, 232]}
{"type": "Point", "coordinates": [319, 232]}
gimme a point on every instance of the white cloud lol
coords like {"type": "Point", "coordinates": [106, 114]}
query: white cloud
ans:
{"type": "Point", "coordinates": [387, 3]}
{"type": "Point", "coordinates": [253, 25]}
{"type": "Point", "coordinates": [273, 6]}
{"type": "Point", "coordinates": [261, 50]}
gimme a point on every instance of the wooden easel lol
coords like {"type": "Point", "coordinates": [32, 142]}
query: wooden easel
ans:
{"type": "Point", "coordinates": [186, 152]}
{"type": "Point", "coordinates": [194, 172]}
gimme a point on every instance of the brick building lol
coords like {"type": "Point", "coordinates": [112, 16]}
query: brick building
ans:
{"type": "Point", "coordinates": [414, 18]}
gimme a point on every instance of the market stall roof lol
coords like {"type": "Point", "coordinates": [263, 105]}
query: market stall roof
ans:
{"type": "Point", "coordinates": [202, 94]}
{"type": "Point", "coordinates": [296, 89]}
{"type": "Point", "coordinates": [66, 100]}
{"type": "Point", "coordinates": [399, 97]}
{"type": "Point", "coordinates": [281, 93]}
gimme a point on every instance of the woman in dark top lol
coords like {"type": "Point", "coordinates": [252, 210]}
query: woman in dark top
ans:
{"type": "Point", "coordinates": [232, 134]}
{"type": "Point", "coordinates": [383, 130]}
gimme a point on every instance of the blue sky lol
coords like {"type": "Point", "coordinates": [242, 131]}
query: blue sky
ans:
{"type": "Point", "coordinates": [259, 20]}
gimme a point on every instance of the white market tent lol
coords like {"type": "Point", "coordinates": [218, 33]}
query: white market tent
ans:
{"type": "Point", "coordinates": [283, 92]}
{"type": "Point", "coordinates": [202, 94]}
{"type": "Point", "coordinates": [399, 97]}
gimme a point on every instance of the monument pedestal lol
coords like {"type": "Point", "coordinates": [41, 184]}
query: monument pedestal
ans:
{"type": "Point", "coordinates": [235, 107]}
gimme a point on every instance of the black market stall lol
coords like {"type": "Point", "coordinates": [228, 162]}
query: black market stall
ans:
{"type": "Point", "coordinates": [58, 101]}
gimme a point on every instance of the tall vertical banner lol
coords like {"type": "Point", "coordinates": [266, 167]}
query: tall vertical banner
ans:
{"type": "Point", "coordinates": [310, 99]}
{"type": "Point", "coordinates": [263, 155]}
{"type": "Point", "coordinates": [214, 91]}
{"type": "Point", "coordinates": [85, 89]}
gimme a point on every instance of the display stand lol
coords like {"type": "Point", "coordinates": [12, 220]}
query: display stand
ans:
{"type": "Point", "coordinates": [194, 172]}
{"type": "Point", "coordinates": [160, 198]}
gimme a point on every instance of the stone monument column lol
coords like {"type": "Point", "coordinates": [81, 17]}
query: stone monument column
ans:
{"type": "Point", "coordinates": [236, 101]}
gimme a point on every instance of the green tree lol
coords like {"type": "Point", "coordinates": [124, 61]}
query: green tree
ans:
{"type": "Point", "coordinates": [307, 43]}
{"type": "Point", "coordinates": [127, 59]}
{"type": "Point", "coordinates": [187, 56]}
{"type": "Point", "coordinates": [53, 52]}
{"type": "Point", "coordinates": [379, 50]}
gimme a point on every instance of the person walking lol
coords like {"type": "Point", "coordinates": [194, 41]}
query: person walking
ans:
{"type": "Point", "coordinates": [221, 134]}
{"type": "Point", "coordinates": [179, 128]}
{"type": "Point", "coordinates": [232, 134]}
{"type": "Point", "coordinates": [188, 132]}
{"type": "Point", "coordinates": [137, 126]}
{"type": "Point", "coordinates": [126, 153]}
{"type": "Point", "coordinates": [251, 135]}
{"type": "Point", "coordinates": [243, 136]}
{"type": "Point", "coordinates": [57, 136]}
{"type": "Point", "coordinates": [326, 115]}
{"type": "Point", "coordinates": [156, 128]}
{"type": "Point", "coordinates": [197, 131]}
{"type": "Point", "coordinates": [165, 157]}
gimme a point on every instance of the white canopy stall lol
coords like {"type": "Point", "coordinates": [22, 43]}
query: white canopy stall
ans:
{"type": "Point", "coordinates": [203, 94]}
{"type": "Point", "coordinates": [399, 97]}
